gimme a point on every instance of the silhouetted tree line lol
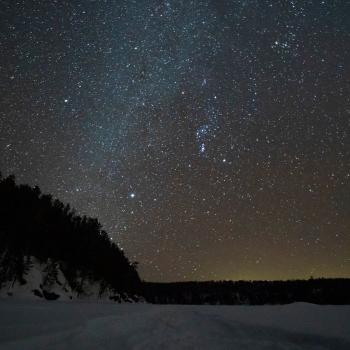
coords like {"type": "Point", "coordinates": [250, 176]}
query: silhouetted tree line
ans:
{"type": "Point", "coordinates": [35, 224]}
{"type": "Point", "coordinates": [317, 291]}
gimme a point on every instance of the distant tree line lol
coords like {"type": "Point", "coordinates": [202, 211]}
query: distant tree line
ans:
{"type": "Point", "coordinates": [317, 291]}
{"type": "Point", "coordinates": [35, 224]}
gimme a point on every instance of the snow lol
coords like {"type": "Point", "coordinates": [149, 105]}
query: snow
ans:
{"type": "Point", "coordinates": [37, 286]}
{"type": "Point", "coordinates": [34, 281]}
{"type": "Point", "coordinates": [79, 325]}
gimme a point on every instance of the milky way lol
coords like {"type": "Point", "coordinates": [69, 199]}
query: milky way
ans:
{"type": "Point", "coordinates": [210, 138]}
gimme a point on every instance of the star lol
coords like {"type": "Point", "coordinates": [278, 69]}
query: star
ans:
{"type": "Point", "coordinates": [135, 114]}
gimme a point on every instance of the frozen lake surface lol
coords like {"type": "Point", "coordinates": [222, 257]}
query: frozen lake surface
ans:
{"type": "Point", "coordinates": [26, 325]}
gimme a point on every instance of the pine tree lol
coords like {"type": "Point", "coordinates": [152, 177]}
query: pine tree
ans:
{"type": "Point", "coordinates": [51, 274]}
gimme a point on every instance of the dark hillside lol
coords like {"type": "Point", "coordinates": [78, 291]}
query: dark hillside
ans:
{"type": "Point", "coordinates": [34, 224]}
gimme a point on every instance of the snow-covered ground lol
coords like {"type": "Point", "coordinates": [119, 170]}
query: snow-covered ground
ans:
{"type": "Point", "coordinates": [27, 325]}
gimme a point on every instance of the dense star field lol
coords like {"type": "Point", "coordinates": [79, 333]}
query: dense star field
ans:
{"type": "Point", "coordinates": [210, 138]}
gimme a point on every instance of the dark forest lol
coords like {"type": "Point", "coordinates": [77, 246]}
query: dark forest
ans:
{"type": "Point", "coordinates": [35, 224]}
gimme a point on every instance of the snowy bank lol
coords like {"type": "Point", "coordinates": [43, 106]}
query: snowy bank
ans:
{"type": "Point", "coordinates": [46, 280]}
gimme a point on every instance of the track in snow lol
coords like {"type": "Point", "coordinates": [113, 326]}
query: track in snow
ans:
{"type": "Point", "coordinates": [58, 325]}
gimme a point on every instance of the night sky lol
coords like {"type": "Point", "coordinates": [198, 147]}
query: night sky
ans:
{"type": "Point", "coordinates": [210, 138]}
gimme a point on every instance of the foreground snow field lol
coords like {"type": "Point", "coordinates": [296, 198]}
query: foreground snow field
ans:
{"type": "Point", "coordinates": [38, 325]}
